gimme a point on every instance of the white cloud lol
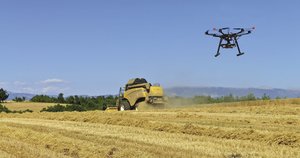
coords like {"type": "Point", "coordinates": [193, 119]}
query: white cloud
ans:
{"type": "Point", "coordinates": [19, 83]}
{"type": "Point", "coordinates": [28, 90]}
{"type": "Point", "coordinates": [49, 87]}
{"type": "Point", "coordinates": [53, 80]}
{"type": "Point", "coordinates": [4, 85]}
{"type": "Point", "coordinates": [53, 90]}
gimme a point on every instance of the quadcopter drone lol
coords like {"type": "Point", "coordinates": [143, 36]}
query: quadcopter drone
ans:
{"type": "Point", "coordinates": [229, 39]}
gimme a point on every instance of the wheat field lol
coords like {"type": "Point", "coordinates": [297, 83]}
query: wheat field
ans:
{"type": "Point", "coordinates": [27, 105]}
{"type": "Point", "coordinates": [231, 130]}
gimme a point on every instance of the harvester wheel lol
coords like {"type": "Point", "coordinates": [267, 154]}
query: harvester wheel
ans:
{"type": "Point", "coordinates": [124, 105]}
{"type": "Point", "coordinates": [135, 107]}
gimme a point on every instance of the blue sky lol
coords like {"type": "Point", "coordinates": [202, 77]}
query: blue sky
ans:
{"type": "Point", "coordinates": [93, 47]}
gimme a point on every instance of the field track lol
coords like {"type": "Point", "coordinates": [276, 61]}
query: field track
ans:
{"type": "Point", "coordinates": [248, 129]}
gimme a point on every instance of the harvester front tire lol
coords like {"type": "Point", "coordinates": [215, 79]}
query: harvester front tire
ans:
{"type": "Point", "coordinates": [124, 105]}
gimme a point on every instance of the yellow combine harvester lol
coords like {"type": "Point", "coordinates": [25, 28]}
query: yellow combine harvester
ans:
{"type": "Point", "coordinates": [137, 91]}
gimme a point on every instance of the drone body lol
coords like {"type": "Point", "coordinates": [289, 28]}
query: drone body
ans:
{"type": "Point", "coordinates": [229, 39]}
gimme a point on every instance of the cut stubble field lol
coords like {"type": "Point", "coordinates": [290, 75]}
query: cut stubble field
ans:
{"type": "Point", "coordinates": [245, 129]}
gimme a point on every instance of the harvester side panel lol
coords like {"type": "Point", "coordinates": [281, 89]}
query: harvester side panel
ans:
{"type": "Point", "coordinates": [132, 95]}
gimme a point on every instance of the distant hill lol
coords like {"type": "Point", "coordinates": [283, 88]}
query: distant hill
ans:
{"type": "Point", "coordinates": [28, 96]}
{"type": "Point", "coordinates": [13, 95]}
{"type": "Point", "coordinates": [222, 91]}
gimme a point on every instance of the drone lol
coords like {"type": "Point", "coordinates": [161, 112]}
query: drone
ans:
{"type": "Point", "coordinates": [229, 39]}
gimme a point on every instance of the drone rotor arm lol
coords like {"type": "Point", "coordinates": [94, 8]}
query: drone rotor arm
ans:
{"type": "Point", "coordinates": [241, 30]}
{"type": "Point", "coordinates": [244, 31]}
{"type": "Point", "coordinates": [215, 35]}
{"type": "Point", "coordinates": [212, 34]}
{"type": "Point", "coordinates": [221, 31]}
{"type": "Point", "coordinates": [242, 34]}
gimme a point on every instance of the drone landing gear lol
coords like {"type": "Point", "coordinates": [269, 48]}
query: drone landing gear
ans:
{"type": "Point", "coordinates": [218, 52]}
{"type": "Point", "coordinates": [240, 54]}
{"type": "Point", "coordinates": [238, 47]}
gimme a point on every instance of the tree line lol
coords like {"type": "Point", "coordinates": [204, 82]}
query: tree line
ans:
{"type": "Point", "coordinates": [70, 103]}
{"type": "Point", "coordinates": [75, 103]}
{"type": "Point", "coordinates": [6, 110]}
{"type": "Point", "coordinates": [19, 99]}
{"type": "Point", "coordinates": [176, 100]}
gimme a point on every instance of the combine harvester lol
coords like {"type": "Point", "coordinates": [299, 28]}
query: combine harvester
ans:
{"type": "Point", "coordinates": [136, 92]}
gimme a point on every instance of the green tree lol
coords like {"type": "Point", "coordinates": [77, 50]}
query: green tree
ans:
{"type": "Point", "coordinates": [43, 99]}
{"type": "Point", "coordinates": [229, 98]}
{"type": "Point", "coordinates": [3, 95]}
{"type": "Point", "coordinates": [70, 100]}
{"type": "Point", "coordinates": [280, 98]}
{"type": "Point", "coordinates": [251, 96]}
{"type": "Point", "coordinates": [55, 108]}
{"type": "Point", "coordinates": [76, 99]}
{"type": "Point", "coordinates": [4, 109]}
{"type": "Point", "coordinates": [19, 99]}
{"type": "Point", "coordinates": [60, 98]}
{"type": "Point", "coordinates": [265, 97]}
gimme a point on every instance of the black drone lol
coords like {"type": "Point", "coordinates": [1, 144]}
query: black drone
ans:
{"type": "Point", "coordinates": [229, 39]}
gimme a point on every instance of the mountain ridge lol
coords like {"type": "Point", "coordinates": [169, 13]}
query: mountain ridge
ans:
{"type": "Point", "coordinates": [222, 91]}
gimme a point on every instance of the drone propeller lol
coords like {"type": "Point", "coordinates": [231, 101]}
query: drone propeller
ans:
{"type": "Point", "coordinates": [225, 28]}
{"type": "Point", "coordinates": [247, 29]}
{"type": "Point", "coordinates": [238, 28]}
{"type": "Point", "coordinates": [250, 29]}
